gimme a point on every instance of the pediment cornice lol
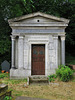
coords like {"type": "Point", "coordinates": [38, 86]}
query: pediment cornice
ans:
{"type": "Point", "coordinates": [39, 14]}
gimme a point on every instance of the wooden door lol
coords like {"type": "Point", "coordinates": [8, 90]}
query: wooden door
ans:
{"type": "Point", "coordinates": [38, 59]}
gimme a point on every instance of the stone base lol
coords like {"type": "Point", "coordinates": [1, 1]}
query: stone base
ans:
{"type": "Point", "coordinates": [38, 79]}
{"type": "Point", "coordinates": [22, 73]}
{"type": "Point", "coordinates": [50, 72]}
{"type": "Point", "coordinates": [19, 73]}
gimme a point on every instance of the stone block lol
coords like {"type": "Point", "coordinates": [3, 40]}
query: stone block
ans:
{"type": "Point", "coordinates": [51, 46]}
{"type": "Point", "coordinates": [19, 73]}
{"type": "Point", "coordinates": [3, 87]}
{"type": "Point", "coordinates": [4, 91]}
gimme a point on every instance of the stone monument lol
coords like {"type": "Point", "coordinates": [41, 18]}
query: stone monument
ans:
{"type": "Point", "coordinates": [38, 44]}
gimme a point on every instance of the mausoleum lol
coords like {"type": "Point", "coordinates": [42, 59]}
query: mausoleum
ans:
{"type": "Point", "coordinates": [38, 44]}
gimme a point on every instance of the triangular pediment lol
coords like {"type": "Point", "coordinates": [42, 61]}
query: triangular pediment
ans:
{"type": "Point", "coordinates": [38, 17]}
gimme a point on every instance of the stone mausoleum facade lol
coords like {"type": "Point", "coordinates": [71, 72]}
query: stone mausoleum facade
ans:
{"type": "Point", "coordinates": [38, 44]}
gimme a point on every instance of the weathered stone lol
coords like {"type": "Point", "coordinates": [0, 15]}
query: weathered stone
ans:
{"type": "Point", "coordinates": [38, 79]}
{"type": "Point", "coordinates": [3, 87]}
{"type": "Point", "coordinates": [4, 91]}
{"type": "Point", "coordinates": [5, 66]}
{"type": "Point", "coordinates": [37, 28]}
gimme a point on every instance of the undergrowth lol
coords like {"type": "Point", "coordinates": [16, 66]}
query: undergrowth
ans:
{"type": "Point", "coordinates": [64, 73]}
{"type": "Point", "coordinates": [2, 75]}
{"type": "Point", "coordinates": [52, 77]}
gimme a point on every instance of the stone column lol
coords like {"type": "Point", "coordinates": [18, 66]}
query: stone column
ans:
{"type": "Point", "coordinates": [20, 53]}
{"type": "Point", "coordinates": [56, 50]}
{"type": "Point", "coordinates": [13, 52]}
{"type": "Point", "coordinates": [63, 50]}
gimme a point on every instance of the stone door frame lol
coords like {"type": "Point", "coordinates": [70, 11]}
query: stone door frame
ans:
{"type": "Point", "coordinates": [36, 67]}
{"type": "Point", "coordinates": [46, 53]}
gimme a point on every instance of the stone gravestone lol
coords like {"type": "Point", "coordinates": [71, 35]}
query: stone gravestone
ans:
{"type": "Point", "coordinates": [5, 66]}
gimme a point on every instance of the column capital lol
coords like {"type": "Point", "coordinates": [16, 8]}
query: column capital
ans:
{"type": "Point", "coordinates": [12, 37]}
{"type": "Point", "coordinates": [55, 36]}
{"type": "Point", "coordinates": [21, 37]}
{"type": "Point", "coordinates": [62, 37]}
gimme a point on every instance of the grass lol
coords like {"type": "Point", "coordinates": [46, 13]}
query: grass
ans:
{"type": "Point", "coordinates": [4, 77]}
{"type": "Point", "coordinates": [59, 91]}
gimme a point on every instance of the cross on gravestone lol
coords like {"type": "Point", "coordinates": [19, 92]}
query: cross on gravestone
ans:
{"type": "Point", "coordinates": [5, 66]}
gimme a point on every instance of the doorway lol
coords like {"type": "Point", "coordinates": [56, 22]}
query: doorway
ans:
{"type": "Point", "coordinates": [38, 59]}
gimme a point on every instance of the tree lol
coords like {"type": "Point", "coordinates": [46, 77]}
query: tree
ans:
{"type": "Point", "coordinates": [14, 8]}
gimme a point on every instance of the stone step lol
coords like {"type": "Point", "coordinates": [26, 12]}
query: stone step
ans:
{"type": "Point", "coordinates": [4, 91]}
{"type": "Point", "coordinates": [3, 88]}
{"type": "Point", "coordinates": [38, 79]}
{"type": "Point", "coordinates": [38, 76]}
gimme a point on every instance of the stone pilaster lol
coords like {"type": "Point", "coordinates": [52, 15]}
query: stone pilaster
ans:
{"type": "Point", "coordinates": [63, 50]}
{"type": "Point", "coordinates": [20, 53]}
{"type": "Point", "coordinates": [56, 50]}
{"type": "Point", "coordinates": [13, 52]}
{"type": "Point", "coordinates": [16, 52]}
{"type": "Point", "coordinates": [26, 52]}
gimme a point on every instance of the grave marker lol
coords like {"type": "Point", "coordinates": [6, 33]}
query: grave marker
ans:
{"type": "Point", "coordinates": [5, 66]}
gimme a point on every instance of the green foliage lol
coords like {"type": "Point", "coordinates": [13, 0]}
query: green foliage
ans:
{"type": "Point", "coordinates": [14, 8]}
{"type": "Point", "coordinates": [60, 66]}
{"type": "Point", "coordinates": [52, 77]}
{"type": "Point", "coordinates": [2, 75]}
{"type": "Point", "coordinates": [16, 81]}
{"type": "Point", "coordinates": [64, 73]}
{"type": "Point", "coordinates": [8, 98]}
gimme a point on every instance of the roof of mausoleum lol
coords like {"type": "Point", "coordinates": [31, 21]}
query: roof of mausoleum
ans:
{"type": "Point", "coordinates": [39, 14]}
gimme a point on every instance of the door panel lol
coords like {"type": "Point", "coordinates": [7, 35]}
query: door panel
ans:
{"type": "Point", "coordinates": [38, 59]}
